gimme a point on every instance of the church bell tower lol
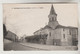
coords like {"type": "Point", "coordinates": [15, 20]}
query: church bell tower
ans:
{"type": "Point", "coordinates": [52, 18]}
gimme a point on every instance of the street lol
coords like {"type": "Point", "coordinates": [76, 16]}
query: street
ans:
{"type": "Point", "coordinates": [25, 46]}
{"type": "Point", "coordinates": [14, 46]}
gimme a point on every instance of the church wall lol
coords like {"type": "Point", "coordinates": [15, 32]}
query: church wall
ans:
{"type": "Point", "coordinates": [56, 34]}
{"type": "Point", "coordinates": [54, 37]}
{"type": "Point", "coordinates": [49, 40]}
{"type": "Point", "coordinates": [74, 33]}
{"type": "Point", "coordinates": [66, 39]}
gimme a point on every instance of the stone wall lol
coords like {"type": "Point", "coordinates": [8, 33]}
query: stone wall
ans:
{"type": "Point", "coordinates": [54, 37]}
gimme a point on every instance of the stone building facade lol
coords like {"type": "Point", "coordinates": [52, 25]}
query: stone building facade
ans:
{"type": "Point", "coordinates": [57, 34]}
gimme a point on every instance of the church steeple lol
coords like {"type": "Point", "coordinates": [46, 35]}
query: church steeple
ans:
{"type": "Point", "coordinates": [52, 11]}
{"type": "Point", "coordinates": [52, 16]}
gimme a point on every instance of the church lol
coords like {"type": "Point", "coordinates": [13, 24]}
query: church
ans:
{"type": "Point", "coordinates": [55, 34]}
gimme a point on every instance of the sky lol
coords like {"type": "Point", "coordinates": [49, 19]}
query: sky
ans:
{"type": "Point", "coordinates": [24, 19]}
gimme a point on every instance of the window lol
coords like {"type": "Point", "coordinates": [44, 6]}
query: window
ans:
{"type": "Point", "coordinates": [50, 34]}
{"type": "Point", "coordinates": [52, 18]}
{"type": "Point", "coordinates": [64, 36]}
{"type": "Point", "coordinates": [40, 33]}
{"type": "Point", "coordinates": [70, 32]}
{"type": "Point", "coordinates": [63, 29]}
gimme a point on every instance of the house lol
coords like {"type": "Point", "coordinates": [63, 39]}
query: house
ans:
{"type": "Point", "coordinates": [11, 36]}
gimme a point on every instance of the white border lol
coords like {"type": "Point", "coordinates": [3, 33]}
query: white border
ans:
{"type": "Point", "coordinates": [26, 1]}
{"type": "Point", "coordinates": [32, 52]}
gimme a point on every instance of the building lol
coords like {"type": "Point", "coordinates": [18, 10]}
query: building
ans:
{"type": "Point", "coordinates": [39, 39]}
{"type": "Point", "coordinates": [11, 36]}
{"type": "Point", "coordinates": [57, 34]}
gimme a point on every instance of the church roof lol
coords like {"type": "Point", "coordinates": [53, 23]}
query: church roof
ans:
{"type": "Point", "coordinates": [45, 27]}
{"type": "Point", "coordinates": [61, 26]}
{"type": "Point", "coordinates": [48, 27]}
{"type": "Point", "coordinates": [52, 11]}
{"type": "Point", "coordinates": [58, 26]}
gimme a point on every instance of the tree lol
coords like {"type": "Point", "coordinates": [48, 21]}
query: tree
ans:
{"type": "Point", "coordinates": [4, 30]}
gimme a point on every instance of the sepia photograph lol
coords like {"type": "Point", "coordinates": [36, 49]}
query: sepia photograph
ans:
{"type": "Point", "coordinates": [40, 27]}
